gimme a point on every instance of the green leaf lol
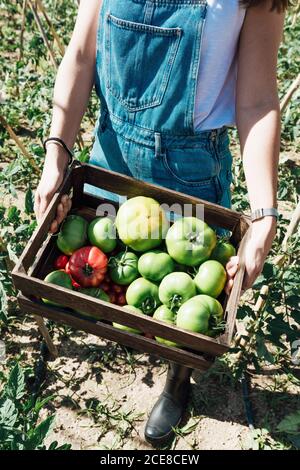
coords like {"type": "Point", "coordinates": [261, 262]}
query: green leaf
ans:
{"type": "Point", "coordinates": [295, 440]}
{"type": "Point", "coordinates": [8, 413]}
{"type": "Point", "coordinates": [290, 424]}
{"type": "Point", "coordinates": [29, 201]}
{"type": "Point", "coordinates": [12, 255]}
{"type": "Point", "coordinates": [37, 435]}
{"type": "Point", "coordinates": [15, 387]}
{"type": "Point", "coordinates": [295, 314]}
{"type": "Point", "coordinates": [12, 213]}
{"type": "Point", "coordinates": [54, 446]}
{"type": "Point", "coordinates": [262, 350]}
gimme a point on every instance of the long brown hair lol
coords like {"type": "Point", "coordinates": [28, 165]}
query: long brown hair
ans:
{"type": "Point", "coordinates": [278, 5]}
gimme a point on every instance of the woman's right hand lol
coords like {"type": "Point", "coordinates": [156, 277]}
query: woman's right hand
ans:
{"type": "Point", "coordinates": [55, 165]}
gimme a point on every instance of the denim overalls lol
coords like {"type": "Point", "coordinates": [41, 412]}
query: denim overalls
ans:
{"type": "Point", "coordinates": [148, 56]}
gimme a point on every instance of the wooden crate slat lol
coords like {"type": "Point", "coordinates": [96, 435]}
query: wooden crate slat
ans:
{"type": "Point", "coordinates": [233, 300]}
{"type": "Point", "coordinates": [143, 344]}
{"type": "Point", "coordinates": [108, 180]}
{"type": "Point", "coordinates": [117, 314]}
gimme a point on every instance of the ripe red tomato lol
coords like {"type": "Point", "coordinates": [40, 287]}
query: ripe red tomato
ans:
{"type": "Point", "coordinates": [116, 288]}
{"type": "Point", "coordinates": [74, 283]}
{"type": "Point", "coordinates": [105, 286]}
{"type": "Point", "coordinates": [88, 266]}
{"type": "Point", "coordinates": [61, 261]}
{"type": "Point", "coordinates": [121, 300]}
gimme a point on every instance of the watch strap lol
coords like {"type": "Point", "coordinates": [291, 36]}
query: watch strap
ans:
{"type": "Point", "coordinates": [260, 213]}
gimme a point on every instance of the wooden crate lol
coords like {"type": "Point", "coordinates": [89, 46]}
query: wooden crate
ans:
{"type": "Point", "coordinates": [37, 260]}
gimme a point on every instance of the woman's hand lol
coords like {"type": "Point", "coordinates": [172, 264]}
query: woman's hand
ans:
{"type": "Point", "coordinates": [262, 234]}
{"type": "Point", "coordinates": [55, 165]}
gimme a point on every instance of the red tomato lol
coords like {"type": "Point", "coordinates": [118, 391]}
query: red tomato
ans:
{"type": "Point", "coordinates": [105, 286]}
{"type": "Point", "coordinates": [67, 268]}
{"type": "Point", "coordinates": [116, 288]}
{"type": "Point", "coordinates": [61, 261]}
{"type": "Point", "coordinates": [74, 283]}
{"type": "Point", "coordinates": [121, 300]}
{"type": "Point", "coordinates": [88, 266]}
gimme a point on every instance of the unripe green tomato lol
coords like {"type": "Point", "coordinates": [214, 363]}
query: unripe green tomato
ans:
{"type": "Point", "coordinates": [155, 265]}
{"type": "Point", "coordinates": [72, 234]}
{"type": "Point", "coordinates": [59, 278]}
{"type": "Point", "coordinates": [102, 233]}
{"type": "Point", "coordinates": [165, 315]}
{"type": "Point", "coordinates": [143, 294]}
{"type": "Point", "coordinates": [175, 289]}
{"type": "Point", "coordinates": [223, 252]}
{"type": "Point", "coordinates": [211, 278]}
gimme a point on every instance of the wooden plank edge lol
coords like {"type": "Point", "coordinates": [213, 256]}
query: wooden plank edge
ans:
{"type": "Point", "coordinates": [110, 312]}
{"type": "Point", "coordinates": [143, 344]}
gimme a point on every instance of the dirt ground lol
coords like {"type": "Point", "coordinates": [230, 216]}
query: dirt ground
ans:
{"type": "Point", "coordinates": [103, 393]}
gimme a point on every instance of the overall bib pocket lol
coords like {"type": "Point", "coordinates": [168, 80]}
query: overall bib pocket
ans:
{"type": "Point", "coordinates": [139, 59]}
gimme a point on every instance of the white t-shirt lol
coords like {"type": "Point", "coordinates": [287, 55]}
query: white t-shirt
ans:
{"type": "Point", "coordinates": [215, 98]}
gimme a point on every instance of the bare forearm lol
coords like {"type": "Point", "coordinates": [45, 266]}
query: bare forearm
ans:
{"type": "Point", "coordinates": [259, 132]}
{"type": "Point", "coordinates": [72, 90]}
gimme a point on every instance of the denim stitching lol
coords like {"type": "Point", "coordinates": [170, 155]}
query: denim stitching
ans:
{"type": "Point", "coordinates": [174, 2]}
{"type": "Point", "coordinates": [196, 73]}
{"type": "Point", "coordinates": [133, 26]}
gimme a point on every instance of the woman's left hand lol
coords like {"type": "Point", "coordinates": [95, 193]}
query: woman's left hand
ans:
{"type": "Point", "coordinates": [262, 234]}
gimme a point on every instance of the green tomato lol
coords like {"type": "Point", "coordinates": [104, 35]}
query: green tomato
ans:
{"type": "Point", "coordinates": [123, 268]}
{"type": "Point", "coordinates": [216, 315]}
{"type": "Point", "coordinates": [72, 234]}
{"type": "Point", "coordinates": [128, 328]}
{"type": "Point", "coordinates": [197, 314]}
{"type": "Point", "coordinates": [164, 314]}
{"type": "Point", "coordinates": [211, 278]}
{"type": "Point", "coordinates": [93, 292]}
{"type": "Point", "coordinates": [102, 233]}
{"type": "Point", "coordinates": [155, 265]}
{"type": "Point", "coordinates": [143, 294]}
{"type": "Point", "coordinates": [223, 252]}
{"type": "Point", "coordinates": [190, 241]}
{"type": "Point", "coordinates": [141, 223]}
{"type": "Point", "coordinates": [175, 289]}
{"type": "Point", "coordinates": [59, 278]}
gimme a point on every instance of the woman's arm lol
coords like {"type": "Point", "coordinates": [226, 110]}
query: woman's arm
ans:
{"type": "Point", "coordinates": [258, 122]}
{"type": "Point", "coordinates": [72, 90]}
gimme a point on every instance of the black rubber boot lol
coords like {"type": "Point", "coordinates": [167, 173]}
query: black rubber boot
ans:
{"type": "Point", "coordinates": [168, 411]}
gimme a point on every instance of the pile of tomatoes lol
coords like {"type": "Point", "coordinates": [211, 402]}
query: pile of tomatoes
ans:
{"type": "Point", "coordinates": [175, 273]}
{"type": "Point", "coordinates": [96, 278]}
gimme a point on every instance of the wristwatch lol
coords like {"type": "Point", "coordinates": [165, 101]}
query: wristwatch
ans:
{"type": "Point", "coordinates": [260, 213]}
